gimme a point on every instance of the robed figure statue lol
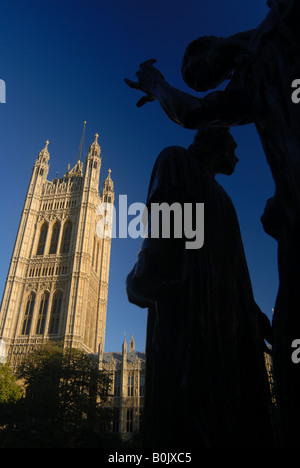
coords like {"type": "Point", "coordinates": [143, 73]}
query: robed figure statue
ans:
{"type": "Point", "coordinates": [206, 381]}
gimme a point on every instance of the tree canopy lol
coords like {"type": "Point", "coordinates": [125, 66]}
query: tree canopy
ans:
{"type": "Point", "coordinates": [64, 401]}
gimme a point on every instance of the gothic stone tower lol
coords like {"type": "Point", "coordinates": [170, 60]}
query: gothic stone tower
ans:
{"type": "Point", "coordinates": [57, 283]}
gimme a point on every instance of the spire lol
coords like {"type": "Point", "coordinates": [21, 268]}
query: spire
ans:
{"type": "Point", "coordinates": [44, 154]}
{"type": "Point", "coordinates": [41, 165]}
{"type": "Point", "coordinates": [108, 185]}
{"type": "Point", "coordinates": [95, 149]}
{"type": "Point", "coordinates": [45, 149]}
{"type": "Point", "coordinates": [124, 346]}
{"type": "Point", "coordinates": [81, 143]}
{"type": "Point", "coordinates": [132, 344]}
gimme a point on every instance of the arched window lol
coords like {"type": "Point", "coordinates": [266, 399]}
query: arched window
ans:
{"type": "Point", "coordinates": [129, 420]}
{"type": "Point", "coordinates": [28, 314]}
{"type": "Point", "coordinates": [130, 385]}
{"type": "Point", "coordinates": [142, 385]}
{"type": "Point", "coordinates": [66, 240]}
{"type": "Point", "coordinates": [40, 326]}
{"type": "Point", "coordinates": [54, 238]}
{"type": "Point", "coordinates": [42, 239]}
{"type": "Point", "coordinates": [55, 312]}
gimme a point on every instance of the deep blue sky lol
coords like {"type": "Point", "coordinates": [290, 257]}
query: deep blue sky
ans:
{"type": "Point", "coordinates": [64, 62]}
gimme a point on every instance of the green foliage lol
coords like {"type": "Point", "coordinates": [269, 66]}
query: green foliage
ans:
{"type": "Point", "coordinates": [63, 402]}
{"type": "Point", "coordinates": [10, 391]}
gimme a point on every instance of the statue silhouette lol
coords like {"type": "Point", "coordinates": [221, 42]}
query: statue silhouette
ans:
{"type": "Point", "coordinates": [205, 372]}
{"type": "Point", "coordinates": [261, 65]}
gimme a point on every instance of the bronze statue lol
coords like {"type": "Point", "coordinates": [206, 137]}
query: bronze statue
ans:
{"type": "Point", "coordinates": [205, 373]}
{"type": "Point", "coordinates": [261, 65]}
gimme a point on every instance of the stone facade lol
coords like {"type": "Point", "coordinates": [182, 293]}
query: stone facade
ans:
{"type": "Point", "coordinates": [127, 372]}
{"type": "Point", "coordinates": [57, 283]}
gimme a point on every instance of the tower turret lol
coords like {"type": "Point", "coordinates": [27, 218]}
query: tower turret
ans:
{"type": "Point", "coordinates": [108, 189]}
{"type": "Point", "coordinates": [132, 344]}
{"type": "Point", "coordinates": [93, 164]}
{"type": "Point", "coordinates": [40, 168]}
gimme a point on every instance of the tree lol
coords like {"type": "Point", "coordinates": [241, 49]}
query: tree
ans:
{"type": "Point", "coordinates": [10, 391]}
{"type": "Point", "coordinates": [64, 397]}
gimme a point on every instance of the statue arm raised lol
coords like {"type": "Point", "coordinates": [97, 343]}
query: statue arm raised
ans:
{"type": "Point", "coordinates": [229, 107]}
{"type": "Point", "coordinates": [219, 108]}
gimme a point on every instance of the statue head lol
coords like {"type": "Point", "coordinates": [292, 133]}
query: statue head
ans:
{"type": "Point", "coordinates": [281, 8]}
{"type": "Point", "coordinates": [210, 60]}
{"type": "Point", "coordinates": [215, 147]}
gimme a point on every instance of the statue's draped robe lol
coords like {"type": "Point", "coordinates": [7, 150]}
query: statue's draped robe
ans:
{"type": "Point", "coordinates": [205, 372]}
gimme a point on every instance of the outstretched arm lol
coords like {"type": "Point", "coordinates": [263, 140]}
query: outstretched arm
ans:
{"type": "Point", "coordinates": [227, 107]}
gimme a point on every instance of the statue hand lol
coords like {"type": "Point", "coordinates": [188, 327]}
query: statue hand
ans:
{"type": "Point", "coordinates": [148, 78]}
